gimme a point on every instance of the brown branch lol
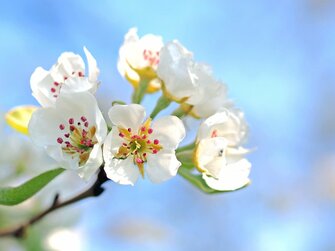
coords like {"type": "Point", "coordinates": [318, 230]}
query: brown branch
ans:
{"type": "Point", "coordinates": [94, 191]}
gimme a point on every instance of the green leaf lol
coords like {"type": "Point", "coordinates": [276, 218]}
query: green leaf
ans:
{"type": "Point", "coordinates": [198, 181]}
{"type": "Point", "coordinates": [10, 196]}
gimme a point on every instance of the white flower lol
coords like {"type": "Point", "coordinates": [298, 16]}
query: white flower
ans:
{"type": "Point", "coordinates": [67, 75]}
{"type": "Point", "coordinates": [137, 54]}
{"type": "Point", "coordinates": [189, 82]}
{"type": "Point", "coordinates": [219, 155]}
{"type": "Point", "coordinates": [134, 142]}
{"type": "Point", "coordinates": [210, 95]}
{"type": "Point", "coordinates": [72, 132]}
{"type": "Point", "coordinates": [175, 69]}
{"type": "Point", "coordinates": [229, 124]}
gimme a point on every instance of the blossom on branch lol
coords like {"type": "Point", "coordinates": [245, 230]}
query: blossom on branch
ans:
{"type": "Point", "coordinates": [71, 132]}
{"type": "Point", "coordinates": [67, 75]}
{"type": "Point", "coordinates": [139, 57]}
{"type": "Point", "coordinates": [134, 142]}
{"type": "Point", "coordinates": [189, 82]}
{"type": "Point", "coordinates": [218, 153]}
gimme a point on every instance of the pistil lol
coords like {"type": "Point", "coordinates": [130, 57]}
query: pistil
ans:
{"type": "Point", "coordinates": [137, 145]}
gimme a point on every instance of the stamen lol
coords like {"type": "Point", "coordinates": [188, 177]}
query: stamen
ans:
{"type": "Point", "coordinates": [59, 140]}
{"type": "Point", "coordinates": [139, 161]}
{"type": "Point", "coordinates": [156, 141]}
{"type": "Point", "coordinates": [150, 130]}
{"type": "Point", "coordinates": [71, 121]}
{"type": "Point", "coordinates": [121, 134]}
{"type": "Point", "coordinates": [61, 126]}
{"type": "Point", "coordinates": [129, 129]}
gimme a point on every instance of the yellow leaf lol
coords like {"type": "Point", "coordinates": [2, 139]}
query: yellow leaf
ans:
{"type": "Point", "coordinates": [18, 118]}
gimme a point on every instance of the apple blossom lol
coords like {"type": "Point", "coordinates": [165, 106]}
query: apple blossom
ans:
{"type": "Point", "coordinates": [138, 56]}
{"type": "Point", "coordinates": [67, 75]}
{"type": "Point", "coordinates": [72, 132]}
{"type": "Point", "coordinates": [218, 153]}
{"type": "Point", "coordinates": [134, 142]}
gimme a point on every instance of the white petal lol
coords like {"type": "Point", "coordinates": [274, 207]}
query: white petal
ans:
{"type": "Point", "coordinates": [206, 127]}
{"type": "Point", "coordinates": [122, 65]}
{"type": "Point", "coordinates": [44, 126]}
{"type": "Point", "coordinates": [175, 68]}
{"type": "Point", "coordinates": [169, 130]}
{"type": "Point", "coordinates": [210, 155]}
{"type": "Point", "coordinates": [93, 70]}
{"type": "Point", "coordinates": [162, 166]}
{"type": "Point", "coordinates": [112, 143]}
{"type": "Point", "coordinates": [209, 106]}
{"type": "Point", "coordinates": [68, 62]}
{"type": "Point", "coordinates": [82, 104]}
{"type": "Point", "coordinates": [65, 161]}
{"type": "Point", "coordinates": [121, 171]}
{"type": "Point", "coordinates": [135, 51]}
{"type": "Point", "coordinates": [93, 163]}
{"type": "Point", "coordinates": [127, 116]}
{"type": "Point", "coordinates": [131, 36]}
{"type": "Point", "coordinates": [204, 82]}
{"type": "Point", "coordinates": [78, 84]}
{"type": "Point", "coordinates": [228, 124]}
{"type": "Point", "coordinates": [232, 176]}
{"type": "Point", "coordinates": [40, 83]}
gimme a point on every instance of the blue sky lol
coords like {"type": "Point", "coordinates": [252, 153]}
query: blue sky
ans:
{"type": "Point", "coordinates": [277, 58]}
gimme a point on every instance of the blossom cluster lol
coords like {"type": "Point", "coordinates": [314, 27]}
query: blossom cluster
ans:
{"type": "Point", "coordinates": [71, 128]}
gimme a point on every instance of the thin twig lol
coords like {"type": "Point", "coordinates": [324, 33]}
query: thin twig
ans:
{"type": "Point", "coordinates": [94, 191]}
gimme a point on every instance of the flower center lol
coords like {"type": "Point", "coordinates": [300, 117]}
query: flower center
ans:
{"type": "Point", "coordinates": [78, 138]}
{"type": "Point", "coordinates": [57, 86]}
{"type": "Point", "coordinates": [138, 145]}
{"type": "Point", "coordinates": [151, 57]}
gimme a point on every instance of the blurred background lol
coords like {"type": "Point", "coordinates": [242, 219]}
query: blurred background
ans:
{"type": "Point", "coordinates": [278, 60]}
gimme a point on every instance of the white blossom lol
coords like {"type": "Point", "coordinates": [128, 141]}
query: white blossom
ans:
{"type": "Point", "coordinates": [72, 132]}
{"type": "Point", "coordinates": [66, 76]}
{"type": "Point", "coordinates": [189, 82]}
{"type": "Point", "coordinates": [219, 155]}
{"type": "Point", "coordinates": [134, 142]}
{"type": "Point", "coordinates": [137, 54]}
